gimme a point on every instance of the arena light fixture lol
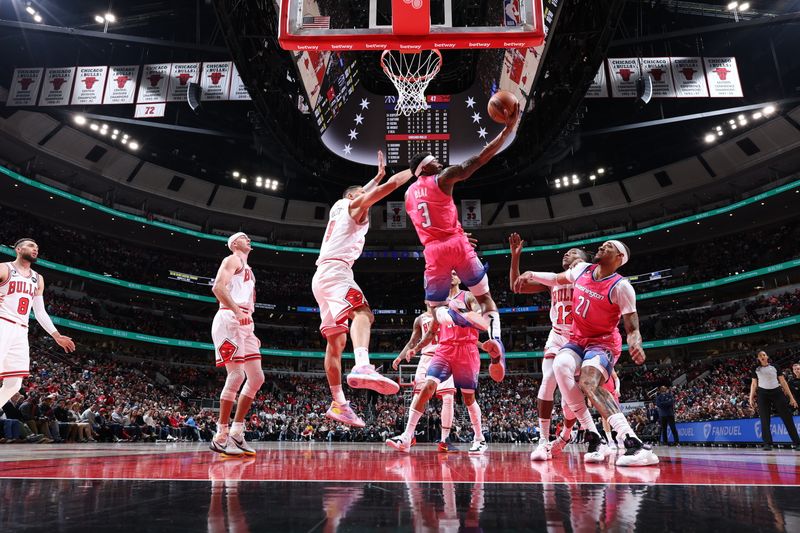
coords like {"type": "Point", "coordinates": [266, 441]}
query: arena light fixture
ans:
{"type": "Point", "coordinates": [98, 19]}
{"type": "Point", "coordinates": [109, 17]}
{"type": "Point", "coordinates": [744, 6]}
{"type": "Point", "coordinates": [124, 140]}
{"type": "Point", "coordinates": [114, 137]}
{"type": "Point", "coordinates": [30, 10]}
{"type": "Point", "coordinates": [720, 133]}
{"type": "Point", "coordinates": [94, 127]}
{"type": "Point", "coordinates": [243, 180]}
{"type": "Point", "coordinates": [743, 122]}
{"type": "Point", "coordinates": [733, 126]}
{"type": "Point", "coordinates": [116, 132]}
{"type": "Point", "coordinates": [80, 120]}
{"type": "Point", "coordinates": [592, 177]}
{"type": "Point", "coordinates": [575, 179]}
{"type": "Point", "coordinates": [757, 115]}
{"type": "Point", "coordinates": [236, 174]}
{"type": "Point", "coordinates": [710, 138]}
{"type": "Point", "coordinates": [732, 6]}
{"type": "Point", "coordinates": [274, 185]}
{"type": "Point", "coordinates": [601, 171]}
{"type": "Point", "coordinates": [770, 109]}
{"type": "Point", "coordinates": [558, 184]}
{"type": "Point", "coordinates": [133, 145]}
{"type": "Point", "coordinates": [37, 17]}
{"type": "Point", "coordinates": [103, 132]}
{"type": "Point", "coordinates": [125, 136]}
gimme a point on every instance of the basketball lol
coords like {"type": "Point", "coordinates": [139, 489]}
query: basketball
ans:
{"type": "Point", "coordinates": [501, 105]}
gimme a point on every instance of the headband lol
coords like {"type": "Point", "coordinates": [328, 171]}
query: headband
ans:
{"type": "Point", "coordinates": [428, 159]}
{"type": "Point", "coordinates": [621, 249]}
{"type": "Point", "coordinates": [233, 238]}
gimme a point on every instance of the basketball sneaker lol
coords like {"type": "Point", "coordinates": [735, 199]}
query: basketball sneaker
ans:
{"type": "Point", "coordinates": [557, 446]}
{"type": "Point", "coordinates": [478, 447]}
{"type": "Point", "coordinates": [597, 450]}
{"type": "Point", "coordinates": [399, 443]}
{"type": "Point", "coordinates": [366, 377]}
{"type": "Point", "coordinates": [465, 318]}
{"type": "Point", "coordinates": [239, 442]}
{"type": "Point", "coordinates": [497, 355]}
{"type": "Point", "coordinates": [542, 452]}
{"type": "Point", "coordinates": [447, 447]}
{"type": "Point", "coordinates": [344, 414]}
{"type": "Point", "coordinates": [225, 448]}
{"type": "Point", "coordinates": [637, 454]}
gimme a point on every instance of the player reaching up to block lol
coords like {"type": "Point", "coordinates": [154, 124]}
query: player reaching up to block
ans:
{"type": "Point", "coordinates": [429, 203]}
{"type": "Point", "coordinates": [21, 289]}
{"type": "Point", "coordinates": [339, 297]}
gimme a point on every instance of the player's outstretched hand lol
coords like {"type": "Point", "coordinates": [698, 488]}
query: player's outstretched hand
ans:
{"type": "Point", "coordinates": [381, 163]}
{"type": "Point", "coordinates": [523, 280]}
{"type": "Point", "coordinates": [472, 240]}
{"type": "Point", "coordinates": [65, 342]}
{"type": "Point", "coordinates": [516, 243]}
{"type": "Point", "coordinates": [513, 117]}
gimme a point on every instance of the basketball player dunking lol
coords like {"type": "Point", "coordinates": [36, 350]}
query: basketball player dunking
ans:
{"type": "Point", "coordinates": [21, 289]}
{"type": "Point", "coordinates": [561, 319]}
{"type": "Point", "coordinates": [236, 346]}
{"type": "Point", "coordinates": [429, 203]}
{"type": "Point", "coordinates": [340, 298]}
{"type": "Point", "coordinates": [600, 297]}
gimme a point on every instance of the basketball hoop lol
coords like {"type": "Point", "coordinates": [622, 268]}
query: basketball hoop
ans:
{"type": "Point", "coordinates": [411, 73]}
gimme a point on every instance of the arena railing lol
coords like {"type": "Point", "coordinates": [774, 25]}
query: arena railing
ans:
{"type": "Point", "coordinates": [294, 249]}
{"type": "Point", "coordinates": [179, 343]}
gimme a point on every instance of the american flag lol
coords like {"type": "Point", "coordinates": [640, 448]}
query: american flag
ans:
{"type": "Point", "coordinates": [317, 22]}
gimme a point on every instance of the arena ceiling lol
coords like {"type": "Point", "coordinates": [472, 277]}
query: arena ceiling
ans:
{"type": "Point", "coordinates": [563, 134]}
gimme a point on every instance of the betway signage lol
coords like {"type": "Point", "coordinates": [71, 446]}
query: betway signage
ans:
{"type": "Point", "coordinates": [743, 430]}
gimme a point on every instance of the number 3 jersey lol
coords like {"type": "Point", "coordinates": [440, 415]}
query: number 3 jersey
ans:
{"type": "Point", "coordinates": [17, 292]}
{"type": "Point", "coordinates": [432, 212]}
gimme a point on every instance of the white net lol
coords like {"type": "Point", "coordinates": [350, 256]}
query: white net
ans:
{"type": "Point", "coordinates": [411, 73]}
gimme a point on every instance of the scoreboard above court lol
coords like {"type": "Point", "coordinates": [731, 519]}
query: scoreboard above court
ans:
{"type": "Point", "coordinates": [426, 131]}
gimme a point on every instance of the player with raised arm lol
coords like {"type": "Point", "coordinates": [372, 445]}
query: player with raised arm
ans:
{"type": "Point", "coordinates": [561, 320]}
{"type": "Point", "coordinates": [429, 203]}
{"type": "Point", "coordinates": [236, 346]}
{"type": "Point", "coordinates": [600, 297]}
{"type": "Point", "coordinates": [339, 297]}
{"type": "Point", "coordinates": [22, 289]}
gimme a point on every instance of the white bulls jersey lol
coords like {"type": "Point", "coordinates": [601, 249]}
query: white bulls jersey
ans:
{"type": "Point", "coordinates": [243, 288]}
{"type": "Point", "coordinates": [425, 323]}
{"type": "Point", "coordinates": [561, 309]}
{"type": "Point", "coordinates": [344, 237]}
{"type": "Point", "coordinates": [17, 292]}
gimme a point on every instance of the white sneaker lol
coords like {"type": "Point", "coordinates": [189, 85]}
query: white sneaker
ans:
{"type": "Point", "coordinates": [542, 452]}
{"type": "Point", "coordinates": [226, 449]}
{"type": "Point", "coordinates": [399, 443]}
{"type": "Point", "coordinates": [239, 442]}
{"type": "Point", "coordinates": [478, 447]}
{"type": "Point", "coordinates": [597, 450]}
{"type": "Point", "coordinates": [366, 377]}
{"type": "Point", "coordinates": [637, 454]}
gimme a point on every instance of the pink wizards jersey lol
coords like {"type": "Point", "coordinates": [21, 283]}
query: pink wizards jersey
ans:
{"type": "Point", "coordinates": [452, 334]}
{"type": "Point", "coordinates": [243, 288]}
{"type": "Point", "coordinates": [17, 292]}
{"type": "Point", "coordinates": [344, 237]}
{"type": "Point", "coordinates": [593, 313]}
{"type": "Point", "coordinates": [561, 309]}
{"type": "Point", "coordinates": [432, 211]}
{"type": "Point", "coordinates": [425, 323]}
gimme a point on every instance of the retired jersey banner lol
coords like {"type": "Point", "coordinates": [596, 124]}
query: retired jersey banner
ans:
{"type": "Point", "coordinates": [624, 72]}
{"type": "Point", "coordinates": [24, 86]}
{"type": "Point", "coordinates": [659, 70]}
{"type": "Point", "coordinates": [154, 110]}
{"type": "Point", "coordinates": [180, 77]}
{"type": "Point", "coordinates": [216, 80]}
{"type": "Point", "coordinates": [599, 86]}
{"type": "Point", "coordinates": [57, 86]}
{"type": "Point", "coordinates": [471, 213]}
{"type": "Point", "coordinates": [89, 85]}
{"type": "Point", "coordinates": [121, 84]}
{"type": "Point", "coordinates": [723, 77]}
{"type": "Point", "coordinates": [689, 78]}
{"type": "Point", "coordinates": [153, 85]}
{"type": "Point", "coordinates": [395, 215]}
{"type": "Point", "coordinates": [238, 88]}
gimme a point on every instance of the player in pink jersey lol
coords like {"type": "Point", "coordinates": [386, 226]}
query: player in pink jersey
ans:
{"type": "Point", "coordinates": [429, 203]}
{"type": "Point", "coordinates": [21, 290]}
{"type": "Point", "coordinates": [561, 319]}
{"type": "Point", "coordinates": [600, 297]}
{"type": "Point", "coordinates": [457, 357]}
{"type": "Point", "coordinates": [339, 297]}
{"type": "Point", "coordinates": [236, 346]}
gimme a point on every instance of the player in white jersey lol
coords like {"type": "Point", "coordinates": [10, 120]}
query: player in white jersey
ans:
{"type": "Point", "coordinates": [236, 346]}
{"type": "Point", "coordinates": [339, 297]}
{"type": "Point", "coordinates": [21, 289]}
{"type": "Point", "coordinates": [561, 319]}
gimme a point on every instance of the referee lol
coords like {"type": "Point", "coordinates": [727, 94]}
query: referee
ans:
{"type": "Point", "coordinates": [767, 383]}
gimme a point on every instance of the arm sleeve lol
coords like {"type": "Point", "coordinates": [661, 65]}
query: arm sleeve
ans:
{"type": "Point", "coordinates": [625, 297]}
{"type": "Point", "coordinates": [575, 271]}
{"type": "Point", "coordinates": [547, 279]}
{"type": "Point", "coordinates": [41, 315]}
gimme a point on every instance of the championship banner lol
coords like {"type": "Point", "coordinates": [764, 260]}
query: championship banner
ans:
{"type": "Point", "coordinates": [57, 86]}
{"type": "Point", "coordinates": [690, 81]}
{"type": "Point", "coordinates": [121, 84]}
{"type": "Point", "coordinates": [599, 86]}
{"type": "Point", "coordinates": [395, 215]}
{"type": "Point", "coordinates": [153, 85]}
{"type": "Point", "coordinates": [471, 213]}
{"type": "Point", "coordinates": [723, 77]}
{"type": "Point", "coordinates": [624, 72]}
{"type": "Point", "coordinates": [24, 86]}
{"type": "Point", "coordinates": [238, 88]}
{"type": "Point", "coordinates": [181, 75]}
{"type": "Point", "coordinates": [659, 70]}
{"type": "Point", "coordinates": [216, 81]}
{"type": "Point", "coordinates": [89, 85]}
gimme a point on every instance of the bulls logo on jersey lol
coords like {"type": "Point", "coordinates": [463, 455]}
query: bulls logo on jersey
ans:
{"type": "Point", "coordinates": [248, 275]}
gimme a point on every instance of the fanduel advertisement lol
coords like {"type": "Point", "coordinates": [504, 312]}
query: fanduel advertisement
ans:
{"type": "Point", "coordinates": [744, 430]}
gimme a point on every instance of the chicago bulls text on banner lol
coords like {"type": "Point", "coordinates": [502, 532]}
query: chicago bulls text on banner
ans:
{"type": "Point", "coordinates": [238, 88]}
{"type": "Point", "coordinates": [121, 84]}
{"type": "Point", "coordinates": [180, 77]}
{"type": "Point", "coordinates": [89, 85]}
{"type": "Point", "coordinates": [660, 72]}
{"type": "Point", "coordinates": [153, 85]}
{"type": "Point", "coordinates": [216, 80]}
{"type": "Point", "coordinates": [689, 77]}
{"type": "Point", "coordinates": [723, 77]}
{"type": "Point", "coordinates": [471, 213]}
{"type": "Point", "coordinates": [24, 86]}
{"type": "Point", "coordinates": [624, 71]}
{"type": "Point", "coordinates": [599, 86]}
{"type": "Point", "coordinates": [57, 86]}
{"type": "Point", "coordinates": [395, 215]}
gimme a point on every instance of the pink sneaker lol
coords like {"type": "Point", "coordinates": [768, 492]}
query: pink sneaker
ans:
{"type": "Point", "coordinates": [366, 377]}
{"type": "Point", "coordinates": [344, 414]}
{"type": "Point", "coordinates": [557, 446]}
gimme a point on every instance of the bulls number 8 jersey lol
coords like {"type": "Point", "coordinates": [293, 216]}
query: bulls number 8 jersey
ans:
{"type": "Point", "coordinates": [18, 292]}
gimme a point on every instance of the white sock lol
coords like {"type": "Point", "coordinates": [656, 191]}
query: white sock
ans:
{"type": "Point", "coordinates": [447, 415]}
{"type": "Point", "coordinates": [585, 418]}
{"type": "Point", "coordinates": [494, 324]}
{"type": "Point", "coordinates": [222, 432]}
{"type": "Point", "coordinates": [544, 429]}
{"type": "Point", "coordinates": [237, 428]}
{"type": "Point", "coordinates": [10, 387]}
{"type": "Point", "coordinates": [362, 356]}
{"type": "Point", "coordinates": [411, 425]}
{"type": "Point", "coordinates": [338, 394]}
{"type": "Point", "coordinates": [475, 417]}
{"type": "Point", "coordinates": [621, 426]}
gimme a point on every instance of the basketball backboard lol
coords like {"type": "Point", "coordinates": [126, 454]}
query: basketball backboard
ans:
{"type": "Point", "coordinates": [406, 25]}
